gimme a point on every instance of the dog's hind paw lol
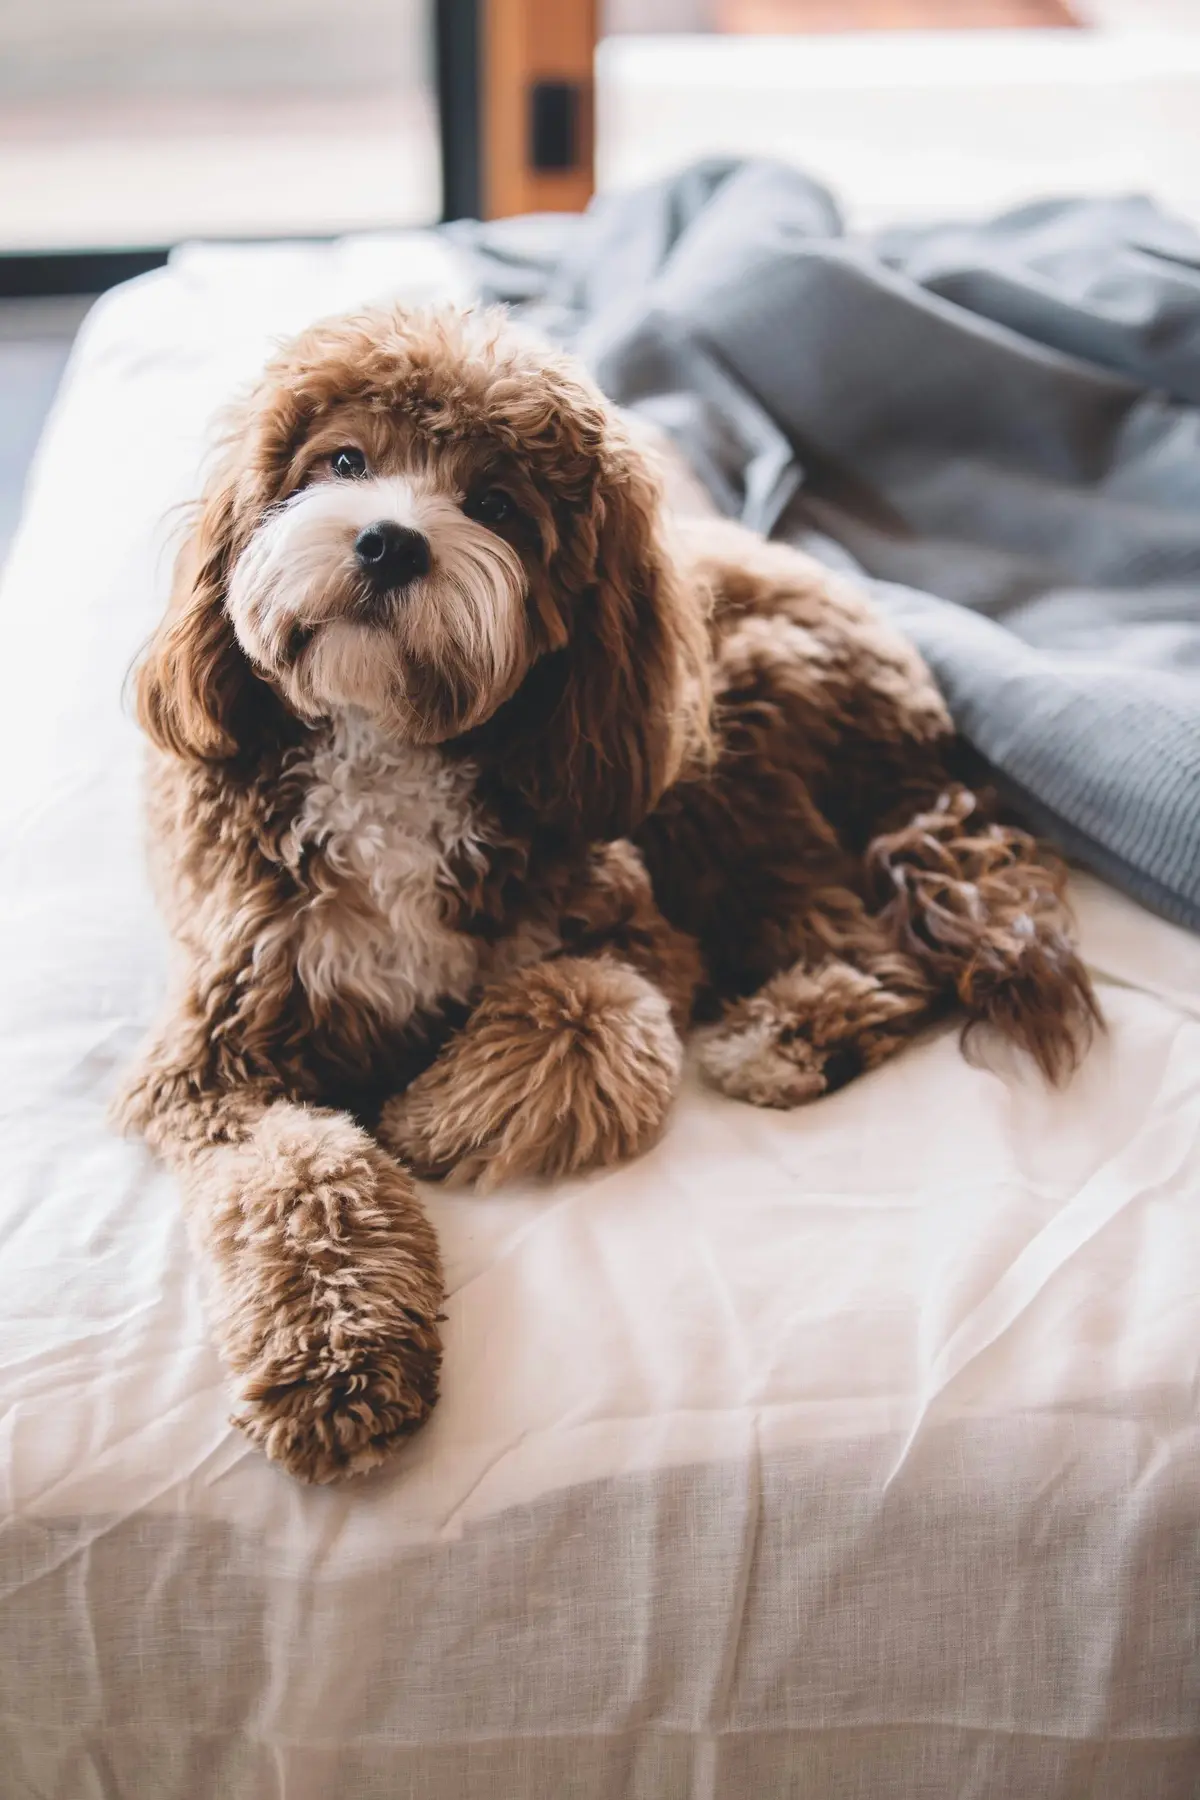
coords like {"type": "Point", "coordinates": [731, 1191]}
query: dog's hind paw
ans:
{"type": "Point", "coordinates": [808, 1032]}
{"type": "Point", "coordinates": [758, 1060]}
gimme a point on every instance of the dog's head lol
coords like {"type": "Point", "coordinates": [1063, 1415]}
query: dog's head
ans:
{"type": "Point", "coordinates": [431, 519]}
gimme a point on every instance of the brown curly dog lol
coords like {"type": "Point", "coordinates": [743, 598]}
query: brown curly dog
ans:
{"type": "Point", "coordinates": [472, 787]}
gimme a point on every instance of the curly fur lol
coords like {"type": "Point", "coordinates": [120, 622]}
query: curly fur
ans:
{"type": "Point", "coordinates": [465, 860]}
{"type": "Point", "coordinates": [565, 1066]}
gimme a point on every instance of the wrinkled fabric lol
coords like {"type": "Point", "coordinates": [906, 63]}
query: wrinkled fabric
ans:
{"type": "Point", "coordinates": [998, 422]}
{"type": "Point", "coordinates": [849, 1453]}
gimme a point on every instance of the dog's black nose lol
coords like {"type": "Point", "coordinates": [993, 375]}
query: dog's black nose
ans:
{"type": "Point", "coordinates": [391, 555]}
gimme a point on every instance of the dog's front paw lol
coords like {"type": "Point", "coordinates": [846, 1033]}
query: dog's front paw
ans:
{"type": "Point", "coordinates": [335, 1415]}
{"type": "Point", "coordinates": [566, 1066]}
{"type": "Point", "coordinates": [329, 1291]}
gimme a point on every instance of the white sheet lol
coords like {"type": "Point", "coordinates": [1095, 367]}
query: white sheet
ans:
{"type": "Point", "coordinates": [851, 1452]}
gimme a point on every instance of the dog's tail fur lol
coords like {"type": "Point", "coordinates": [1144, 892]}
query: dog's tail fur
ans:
{"type": "Point", "coordinates": [982, 907]}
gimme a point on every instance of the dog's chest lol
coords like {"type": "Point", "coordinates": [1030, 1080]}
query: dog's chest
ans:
{"type": "Point", "coordinates": [391, 823]}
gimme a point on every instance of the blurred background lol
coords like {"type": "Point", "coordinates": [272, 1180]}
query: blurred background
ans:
{"type": "Point", "coordinates": [138, 122]}
{"type": "Point", "coordinates": [131, 125]}
{"type": "Point", "coordinates": [141, 121]}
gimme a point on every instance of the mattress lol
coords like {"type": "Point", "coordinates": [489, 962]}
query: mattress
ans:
{"type": "Point", "coordinates": [847, 1453]}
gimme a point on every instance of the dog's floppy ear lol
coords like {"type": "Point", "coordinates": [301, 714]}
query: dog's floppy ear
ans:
{"type": "Point", "coordinates": [197, 695]}
{"type": "Point", "coordinates": [630, 686]}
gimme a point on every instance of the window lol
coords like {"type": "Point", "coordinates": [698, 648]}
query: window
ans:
{"type": "Point", "coordinates": [139, 122]}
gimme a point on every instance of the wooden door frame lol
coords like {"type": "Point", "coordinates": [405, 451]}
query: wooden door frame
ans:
{"type": "Point", "coordinates": [516, 105]}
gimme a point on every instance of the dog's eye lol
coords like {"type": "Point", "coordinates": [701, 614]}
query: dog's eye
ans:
{"type": "Point", "coordinates": [490, 506]}
{"type": "Point", "coordinates": [348, 464]}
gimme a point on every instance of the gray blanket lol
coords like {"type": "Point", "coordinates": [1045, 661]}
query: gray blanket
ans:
{"type": "Point", "coordinates": [999, 424]}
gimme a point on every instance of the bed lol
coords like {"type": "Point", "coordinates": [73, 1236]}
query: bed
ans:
{"type": "Point", "coordinates": [845, 1454]}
